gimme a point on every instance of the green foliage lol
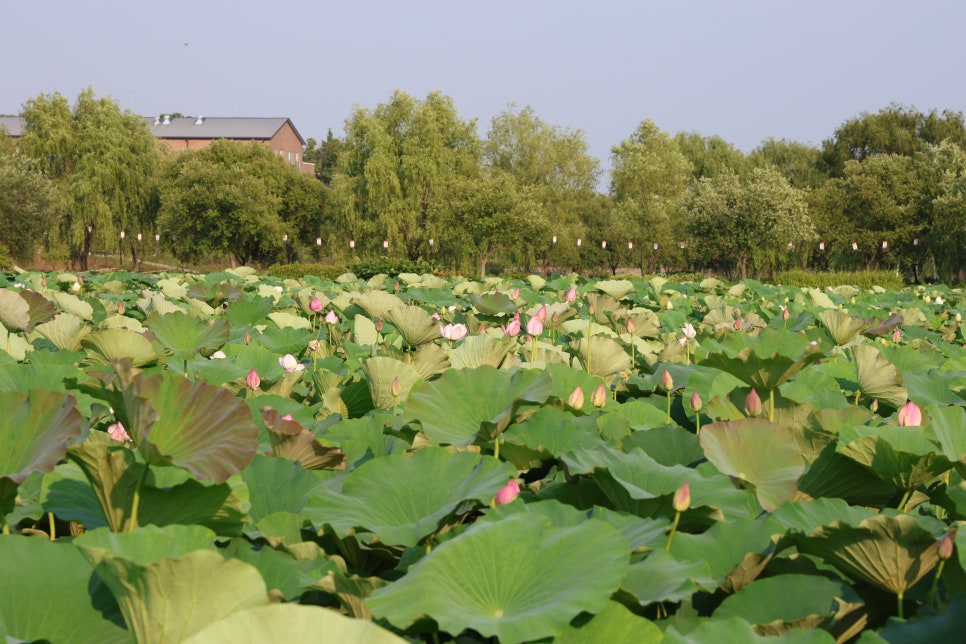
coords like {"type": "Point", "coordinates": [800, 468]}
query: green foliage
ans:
{"type": "Point", "coordinates": [298, 271]}
{"type": "Point", "coordinates": [391, 266]}
{"type": "Point", "coordinates": [28, 207]}
{"type": "Point", "coordinates": [822, 280]}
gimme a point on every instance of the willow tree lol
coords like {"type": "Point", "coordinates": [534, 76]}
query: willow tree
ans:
{"type": "Point", "coordinates": [395, 167]}
{"type": "Point", "coordinates": [105, 163]}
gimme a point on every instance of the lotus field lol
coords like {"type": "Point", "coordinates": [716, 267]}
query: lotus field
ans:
{"type": "Point", "coordinates": [233, 457]}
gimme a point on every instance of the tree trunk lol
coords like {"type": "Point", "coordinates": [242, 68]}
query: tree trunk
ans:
{"type": "Point", "coordinates": [483, 260]}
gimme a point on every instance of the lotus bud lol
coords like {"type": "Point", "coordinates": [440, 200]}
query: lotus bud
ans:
{"type": "Point", "coordinates": [696, 403]}
{"type": "Point", "coordinates": [576, 399]}
{"type": "Point", "coordinates": [682, 498]}
{"type": "Point", "coordinates": [786, 313]}
{"type": "Point", "coordinates": [248, 338]}
{"type": "Point", "coordinates": [534, 326]}
{"type": "Point", "coordinates": [253, 381]}
{"type": "Point", "coordinates": [509, 492]}
{"type": "Point", "coordinates": [910, 415]}
{"type": "Point", "coordinates": [75, 287]}
{"type": "Point", "coordinates": [591, 309]}
{"type": "Point", "coordinates": [315, 305]}
{"type": "Point", "coordinates": [630, 326]}
{"type": "Point", "coordinates": [43, 282]}
{"type": "Point", "coordinates": [945, 546]}
{"type": "Point", "coordinates": [331, 317]}
{"type": "Point", "coordinates": [314, 345]}
{"type": "Point", "coordinates": [512, 328]}
{"type": "Point", "coordinates": [753, 404]}
{"type": "Point", "coordinates": [599, 397]}
{"type": "Point", "coordinates": [118, 433]}
{"type": "Point", "coordinates": [896, 335]}
{"type": "Point", "coordinates": [515, 294]}
{"type": "Point", "coordinates": [120, 308]}
{"type": "Point", "coordinates": [874, 407]}
{"type": "Point", "coordinates": [379, 325]}
{"type": "Point", "coordinates": [738, 323]}
{"type": "Point", "coordinates": [667, 382]}
{"type": "Point", "coordinates": [435, 316]}
{"type": "Point", "coordinates": [396, 387]}
{"type": "Point", "coordinates": [453, 332]}
{"type": "Point", "coordinates": [395, 286]}
{"type": "Point", "coordinates": [670, 305]}
{"type": "Point", "coordinates": [571, 295]}
{"type": "Point", "coordinates": [542, 313]}
{"type": "Point", "coordinates": [958, 317]}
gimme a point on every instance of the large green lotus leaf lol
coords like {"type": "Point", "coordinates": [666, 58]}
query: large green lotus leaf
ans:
{"type": "Point", "coordinates": [47, 593]}
{"type": "Point", "coordinates": [787, 598]}
{"type": "Point", "coordinates": [815, 386]}
{"type": "Point", "coordinates": [70, 303]}
{"type": "Point", "coordinates": [68, 494]}
{"type": "Point", "coordinates": [764, 361]}
{"type": "Point", "coordinates": [65, 331]}
{"type": "Point", "coordinates": [47, 370]}
{"type": "Point", "coordinates": [402, 499]}
{"type": "Point", "coordinates": [668, 445]}
{"type": "Point", "coordinates": [877, 377]}
{"type": "Point", "coordinates": [553, 432]}
{"type": "Point", "coordinates": [512, 579]}
{"type": "Point", "coordinates": [891, 552]}
{"type": "Point", "coordinates": [492, 303]}
{"type": "Point", "coordinates": [429, 360]}
{"type": "Point", "coordinates": [617, 289]}
{"type": "Point", "coordinates": [606, 357]}
{"type": "Point", "coordinates": [185, 335]}
{"type": "Point", "coordinates": [277, 485]}
{"type": "Point", "coordinates": [172, 599]}
{"type": "Point", "coordinates": [113, 474]}
{"type": "Point", "coordinates": [14, 310]}
{"type": "Point", "coordinates": [282, 340]}
{"type": "Point", "coordinates": [292, 623]}
{"type": "Point", "coordinates": [108, 345]}
{"type": "Point", "coordinates": [145, 545]}
{"type": "Point", "coordinates": [932, 386]}
{"type": "Point", "coordinates": [837, 476]}
{"type": "Point", "coordinates": [724, 545]}
{"type": "Point", "coordinates": [34, 431]}
{"type": "Point", "coordinates": [189, 501]}
{"type": "Point", "coordinates": [808, 517]}
{"type": "Point", "coordinates": [899, 455]}
{"type": "Point", "coordinates": [759, 452]}
{"type": "Point", "coordinates": [377, 303]}
{"type": "Point", "coordinates": [282, 570]}
{"type": "Point", "coordinates": [380, 373]}
{"type": "Point", "coordinates": [199, 427]}
{"type": "Point", "coordinates": [948, 426]}
{"type": "Point", "coordinates": [414, 324]}
{"type": "Point", "coordinates": [614, 625]}
{"type": "Point", "coordinates": [843, 327]}
{"type": "Point", "coordinates": [479, 350]}
{"type": "Point", "coordinates": [737, 631]}
{"type": "Point", "coordinates": [254, 356]}
{"type": "Point", "coordinates": [15, 346]}
{"type": "Point", "coordinates": [661, 577]}
{"type": "Point", "coordinates": [364, 331]}
{"type": "Point", "coordinates": [454, 408]}
{"type": "Point", "coordinates": [566, 380]}
{"type": "Point", "coordinates": [249, 313]}
{"type": "Point", "coordinates": [925, 628]}
{"type": "Point", "coordinates": [283, 319]}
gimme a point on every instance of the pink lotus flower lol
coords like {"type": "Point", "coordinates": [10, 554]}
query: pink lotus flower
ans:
{"type": "Point", "coordinates": [599, 397]}
{"type": "Point", "coordinates": [253, 381]}
{"type": "Point", "coordinates": [453, 332]}
{"type": "Point", "coordinates": [696, 402]}
{"type": "Point", "coordinates": [682, 498]}
{"type": "Point", "coordinates": [395, 388]}
{"type": "Point", "coordinates": [515, 294]}
{"type": "Point", "coordinates": [290, 363]}
{"type": "Point", "coordinates": [512, 328]}
{"type": "Point", "coordinates": [542, 313]}
{"type": "Point", "coordinates": [118, 433]}
{"type": "Point", "coordinates": [534, 326]}
{"type": "Point", "coordinates": [630, 326]}
{"type": "Point", "coordinates": [576, 398]}
{"type": "Point", "coordinates": [688, 331]}
{"type": "Point", "coordinates": [753, 404]}
{"type": "Point", "coordinates": [910, 415]}
{"type": "Point", "coordinates": [667, 382]}
{"type": "Point", "coordinates": [945, 546]}
{"type": "Point", "coordinates": [571, 295]}
{"type": "Point", "coordinates": [435, 316]}
{"type": "Point", "coordinates": [509, 492]}
{"type": "Point", "coordinates": [315, 305]}
{"type": "Point", "coordinates": [896, 336]}
{"type": "Point", "coordinates": [331, 317]}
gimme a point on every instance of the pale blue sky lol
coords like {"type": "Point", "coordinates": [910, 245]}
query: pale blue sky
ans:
{"type": "Point", "coordinates": [742, 70]}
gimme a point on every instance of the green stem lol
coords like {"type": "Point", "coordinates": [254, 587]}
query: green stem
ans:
{"type": "Point", "coordinates": [669, 407]}
{"type": "Point", "coordinates": [935, 582]}
{"type": "Point", "coordinates": [133, 521]}
{"type": "Point", "coordinates": [905, 499]}
{"type": "Point", "coordinates": [697, 421]}
{"type": "Point", "coordinates": [496, 447]}
{"type": "Point", "coordinates": [857, 394]}
{"type": "Point", "coordinates": [53, 528]}
{"type": "Point", "coordinates": [677, 518]}
{"type": "Point", "coordinates": [771, 405]}
{"type": "Point", "coordinates": [590, 330]}
{"type": "Point", "coordinates": [899, 604]}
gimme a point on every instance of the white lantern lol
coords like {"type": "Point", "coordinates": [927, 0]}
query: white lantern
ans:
{"type": "Point", "coordinates": [554, 239]}
{"type": "Point", "coordinates": [630, 245]}
{"type": "Point", "coordinates": [385, 244]}
{"type": "Point", "coordinates": [603, 244]}
{"type": "Point", "coordinates": [578, 242]}
{"type": "Point", "coordinates": [318, 241]}
{"type": "Point", "coordinates": [855, 246]}
{"type": "Point", "coordinates": [352, 244]}
{"type": "Point", "coordinates": [821, 245]}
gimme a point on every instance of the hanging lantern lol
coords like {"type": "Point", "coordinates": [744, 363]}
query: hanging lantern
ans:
{"type": "Point", "coordinates": [821, 245]}
{"type": "Point", "coordinates": [578, 242]}
{"type": "Point", "coordinates": [855, 246]}
{"type": "Point", "coordinates": [630, 245]}
{"type": "Point", "coordinates": [603, 244]}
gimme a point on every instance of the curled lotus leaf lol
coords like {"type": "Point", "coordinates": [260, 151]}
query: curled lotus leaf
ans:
{"type": "Point", "coordinates": [877, 377]}
{"type": "Point", "coordinates": [14, 310]}
{"type": "Point", "coordinates": [617, 289]}
{"type": "Point", "coordinates": [65, 331]}
{"type": "Point", "coordinates": [34, 431]}
{"type": "Point", "coordinates": [292, 441]}
{"type": "Point", "coordinates": [414, 324]}
{"type": "Point", "coordinates": [377, 303]}
{"type": "Point", "coordinates": [108, 345]}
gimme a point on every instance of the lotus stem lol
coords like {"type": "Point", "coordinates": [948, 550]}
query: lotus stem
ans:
{"type": "Point", "coordinates": [669, 407]}
{"type": "Point", "coordinates": [697, 422]}
{"type": "Point", "coordinates": [904, 500]}
{"type": "Point", "coordinates": [771, 405]}
{"type": "Point", "coordinates": [53, 528]}
{"type": "Point", "coordinates": [496, 448]}
{"type": "Point", "coordinates": [899, 598]}
{"type": "Point", "coordinates": [858, 393]}
{"type": "Point", "coordinates": [133, 521]}
{"type": "Point", "coordinates": [674, 528]}
{"type": "Point", "coordinates": [590, 330]}
{"type": "Point", "coordinates": [935, 582]}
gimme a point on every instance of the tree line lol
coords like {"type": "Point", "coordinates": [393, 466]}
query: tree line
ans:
{"type": "Point", "coordinates": [413, 179]}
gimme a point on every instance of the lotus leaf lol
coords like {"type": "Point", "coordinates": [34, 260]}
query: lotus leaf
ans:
{"type": "Point", "coordinates": [764, 361]}
{"type": "Point", "coordinates": [378, 303]}
{"type": "Point", "coordinates": [381, 372]}
{"type": "Point", "coordinates": [492, 303]}
{"type": "Point", "coordinates": [172, 599]}
{"type": "Point", "coordinates": [145, 545]}
{"type": "Point", "coordinates": [14, 310]}
{"type": "Point", "coordinates": [617, 289]}
{"type": "Point", "coordinates": [365, 331]}
{"type": "Point", "coordinates": [249, 313]}
{"type": "Point", "coordinates": [47, 592]}
{"type": "Point", "coordinates": [788, 598]}
{"type": "Point", "coordinates": [429, 360]}
{"type": "Point", "coordinates": [479, 350]}
{"type": "Point", "coordinates": [185, 336]}
{"type": "Point", "coordinates": [109, 345]}
{"type": "Point", "coordinates": [924, 629]}
{"type": "Point", "coordinates": [414, 324]}
{"type": "Point", "coordinates": [436, 482]}
{"type": "Point", "coordinates": [843, 328]}
{"type": "Point", "coordinates": [466, 403]}
{"type": "Point", "coordinates": [511, 579]}
{"type": "Point", "coordinates": [759, 452]}
{"type": "Point", "coordinates": [877, 377]}
{"type": "Point", "coordinates": [899, 455]}
{"type": "Point", "coordinates": [606, 357]}
{"type": "Point", "coordinates": [615, 624]}
{"type": "Point", "coordinates": [552, 432]}
{"type": "Point", "coordinates": [292, 441]}
{"type": "Point", "coordinates": [72, 304]}
{"type": "Point", "coordinates": [65, 331]}
{"type": "Point", "coordinates": [660, 577]}
{"type": "Point", "coordinates": [284, 319]}
{"type": "Point", "coordinates": [114, 476]}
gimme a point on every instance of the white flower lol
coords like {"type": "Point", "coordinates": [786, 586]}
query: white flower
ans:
{"type": "Point", "coordinates": [290, 364]}
{"type": "Point", "coordinates": [939, 300]}
{"type": "Point", "coordinates": [688, 331]}
{"type": "Point", "coordinates": [218, 355]}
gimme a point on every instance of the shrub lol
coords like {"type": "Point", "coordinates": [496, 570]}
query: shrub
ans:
{"type": "Point", "coordinates": [391, 266]}
{"type": "Point", "coordinates": [864, 279]}
{"type": "Point", "coordinates": [298, 271]}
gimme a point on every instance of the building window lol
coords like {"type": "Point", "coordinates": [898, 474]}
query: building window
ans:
{"type": "Point", "coordinates": [290, 156]}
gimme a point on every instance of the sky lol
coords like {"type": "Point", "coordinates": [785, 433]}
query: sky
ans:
{"type": "Point", "coordinates": [743, 70]}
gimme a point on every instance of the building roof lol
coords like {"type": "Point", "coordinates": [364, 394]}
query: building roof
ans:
{"type": "Point", "coordinates": [13, 125]}
{"type": "Point", "coordinates": [239, 128]}
{"type": "Point", "coordinates": [214, 127]}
